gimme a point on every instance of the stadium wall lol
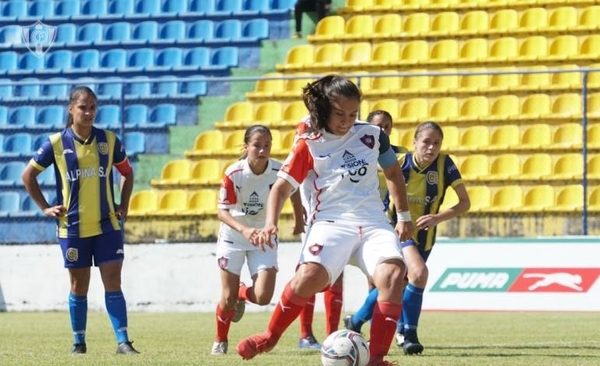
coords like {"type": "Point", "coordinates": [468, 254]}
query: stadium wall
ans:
{"type": "Point", "coordinates": [546, 274]}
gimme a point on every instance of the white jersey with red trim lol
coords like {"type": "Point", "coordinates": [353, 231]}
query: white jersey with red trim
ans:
{"type": "Point", "coordinates": [341, 172]}
{"type": "Point", "coordinates": [245, 194]}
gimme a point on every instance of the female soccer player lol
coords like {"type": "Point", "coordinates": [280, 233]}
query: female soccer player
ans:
{"type": "Point", "coordinates": [241, 209]}
{"type": "Point", "coordinates": [89, 221]}
{"type": "Point", "coordinates": [427, 173]}
{"type": "Point", "coordinates": [347, 223]}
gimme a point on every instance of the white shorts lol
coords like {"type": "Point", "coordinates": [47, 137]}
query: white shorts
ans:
{"type": "Point", "coordinates": [333, 245]}
{"type": "Point", "coordinates": [231, 257]}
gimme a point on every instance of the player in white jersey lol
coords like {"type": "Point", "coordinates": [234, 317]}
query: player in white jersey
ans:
{"type": "Point", "coordinates": [241, 209]}
{"type": "Point", "coordinates": [347, 224]}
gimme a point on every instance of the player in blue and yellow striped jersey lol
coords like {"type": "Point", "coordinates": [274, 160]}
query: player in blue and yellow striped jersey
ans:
{"type": "Point", "coordinates": [88, 219]}
{"type": "Point", "coordinates": [427, 173]}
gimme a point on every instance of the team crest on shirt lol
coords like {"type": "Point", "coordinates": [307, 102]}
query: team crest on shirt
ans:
{"type": "Point", "coordinates": [103, 148]}
{"type": "Point", "coordinates": [223, 262]}
{"type": "Point", "coordinates": [368, 140]}
{"type": "Point", "coordinates": [315, 249]}
{"type": "Point", "coordinates": [432, 178]}
{"type": "Point", "coordinates": [72, 254]}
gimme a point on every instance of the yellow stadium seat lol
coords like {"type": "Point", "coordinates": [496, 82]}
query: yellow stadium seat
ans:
{"type": "Point", "coordinates": [593, 136]}
{"type": "Point", "coordinates": [287, 140]}
{"type": "Point", "coordinates": [413, 110]}
{"type": "Point", "coordinates": [536, 166]}
{"type": "Point", "coordinates": [474, 23]}
{"type": "Point", "coordinates": [593, 80]}
{"type": "Point", "coordinates": [593, 167]}
{"type": "Point", "coordinates": [480, 197]}
{"type": "Point", "coordinates": [444, 24]}
{"type": "Point", "coordinates": [203, 202]}
{"type": "Point", "coordinates": [507, 199]}
{"type": "Point", "coordinates": [238, 113]}
{"type": "Point", "coordinates": [328, 55]}
{"type": "Point", "coordinates": [294, 112]}
{"type": "Point", "coordinates": [589, 49]}
{"type": "Point", "coordinates": [385, 54]}
{"type": "Point", "coordinates": [562, 19]}
{"type": "Point", "coordinates": [588, 19]}
{"type": "Point", "coordinates": [445, 81]}
{"type": "Point", "coordinates": [450, 199]}
{"type": "Point", "coordinates": [535, 106]}
{"type": "Point", "coordinates": [143, 203]}
{"type": "Point", "coordinates": [531, 20]}
{"type": "Point", "coordinates": [392, 106]}
{"type": "Point", "coordinates": [537, 79]}
{"type": "Point", "coordinates": [568, 199]}
{"type": "Point", "coordinates": [567, 166]}
{"type": "Point", "coordinates": [359, 5]}
{"type": "Point", "coordinates": [173, 202]}
{"type": "Point", "coordinates": [356, 54]}
{"type": "Point", "coordinates": [415, 24]}
{"type": "Point", "coordinates": [535, 137]}
{"type": "Point", "coordinates": [566, 107]}
{"type": "Point", "coordinates": [474, 109]}
{"type": "Point", "coordinates": [358, 27]}
{"type": "Point", "coordinates": [503, 21]}
{"type": "Point", "coordinates": [293, 87]}
{"type": "Point", "coordinates": [415, 84]}
{"type": "Point", "coordinates": [594, 201]}
{"type": "Point", "coordinates": [504, 107]}
{"type": "Point", "coordinates": [533, 48]}
{"type": "Point", "coordinates": [328, 28]}
{"type": "Point", "coordinates": [562, 47]}
{"type": "Point", "coordinates": [267, 88]}
{"type": "Point", "coordinates": [567, 136]}
{"type": "Point", "coordinates": [360, 78]}
{"type": "Point", "coordinates": [478, 81]}
{"type": "Point", "coordinates": [414, 53]}
{"type": "Point", "coordinates": [234, 142]}
{"type": "Point", "coordinates": [298, 57]}
{"type": "Point", "coordinates": [387, 26]}
{"type": "Point", "coordinates": [473, 51]}
{"type": "Point", "coordinates": [505, 167]}
{"type": "Point", "coordinates": [276, 143]}
{"type": "Point", "coordinates": [566, 80]}
{"type": "Point", "coordinates": [207, 143]}
{"type": "Point", "coordinates": [475, 167]}
{"type": "Point", "coordinates": [474, 138]}
{"type": "Point", "coordinates": [444, 109]}
{"type": "Point", "coordinates": [503, 50]}
{"type": "Point", "coordinates": [408, 136]}
{"type": "Point", "coordinates": [266, 113]}
{"type": "Point", "coordinates": [444, 52]}
{"type": "Point", "coordinates": [505, 137]}
{"type": "Point", "coordinates": [503, 82]}
{"type": "Point", "coordinates": [538, 198]}
{"type": "Point", "coordinates": [206, 172]}
{"type": "Point", "coordinates": [451, 137]}
{"type": "Point", "coordinates": [174, 172]}
{"type": "Point", "coordinates": [386, 85]}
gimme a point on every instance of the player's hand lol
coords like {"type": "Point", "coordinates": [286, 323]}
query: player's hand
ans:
{"type": "Point", "coordinates": [55, 211]}
{"type": "Point", "coordinates": [426, 222]}
{"type": "Point", "coordinates": [405, 229]}
{"type": "Point", "coordinates": [121, 213]}
{"type": "Point", "coordinates": [264, 237]}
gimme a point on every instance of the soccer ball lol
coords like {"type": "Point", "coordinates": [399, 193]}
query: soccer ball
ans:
{"type": "Point", "coordinates": [345, 348]}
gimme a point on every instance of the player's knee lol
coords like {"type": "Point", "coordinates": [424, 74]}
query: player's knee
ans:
{"type": "Point", "coordinates": [229, 302]}
{"type": "Point", "coordinates": [418, 275]}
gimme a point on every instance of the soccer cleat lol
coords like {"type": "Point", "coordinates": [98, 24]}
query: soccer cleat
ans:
{"type": "Point", "coordinates": [78, 349]}
{"type": "Point", "coordinates": [256, 344]}
{"type": "Point", "coordinates": [297, 35]}
{"type": "Point", "coordinates": [349, 325]}
{"type": "Point", "coordinates": [309, 342]}
{"type": "Point", "coordinates": [219, 348]}
{"type": "Point", "coordinates": [411, 345]}
{"type": "Point", "coordinates": [399, 339]}
{"type": "Point", "coordinates": [126, 348]}
{"type": "Point", "coordinates": [240, 308]}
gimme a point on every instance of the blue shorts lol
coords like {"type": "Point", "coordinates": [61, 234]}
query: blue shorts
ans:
{"type": "Point", "coordinates": [424, 253]}
{"type": "Point", "coordinates": [103, 248]}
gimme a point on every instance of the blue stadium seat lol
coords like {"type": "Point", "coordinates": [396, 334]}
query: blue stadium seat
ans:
{"type": "Point", "coordinates": [94, 8]}
{"type": "Point", "coordinates": [163, 114]}
{"type": "Point", "coordinates": [202, 6]}
{"type": "Point", "coordinates": [28, 207]}
{"type": "Point", "coordinates": [10, 203]}
{"type": "Point", "coordinates": [172, 30]}
{"type": "Point", "coordinates": [59, 61]}
{"type": "Point", "coordinates": [140, 59]}
{"type": "Point", "coordinates": [195, 58]}
{"type": "Point", "coordinates": [10, 35]}
{"type": "Point", "coordinates": [10, 173]}
{"type": "Point", "coordinates": [255, 7]}
{"type": "Point", "coordinates": [50, 117]}
{"type": "Point", "coordinates": [17, 145]}
{"type": "Point", "coordinates": [67, 8]}
{"type": "Point", "coordinates": [148, 7]}
{"type": "Point", "coordinates": [86, 60]}
{"type": "Point", "coordinates": [228, 7]}
{"type": "Point", "coordinates": [168, 58]}
{"type": "Point", "coordinates": [194, 88]}
{"type": "Point", "coordinates": [109, 116]}
{"type": "Point", "coordinates": [6, 89]}
{"type": "Point", "coordinates": [22, 116]}
{"type": "Point", "coordinates": [39, 140]}
{"type": "Point", "coordinates": [117, 32]}
{"type": "Point", "coordinates": [66, 33]}
{"type": "Point", "coordinates": [90, 82]}
{"type": "Point", "coordinates": [28, 88]}
{"type": "Point", "coordinates": [203, 30]}
{"type": "Point", "coordinates": [54, 90]}
{"type": "Point", "coordinates": [165, 86]}
{"type": "Point", "coordinates": [90, 33]}
{"type": "Point", "coordinates": [14, 9]}
{"type": "Point", "coordinates": [47, 177]}
{"type": "Point", "coordinates": [225, 56]}
{"type": "Point", "coordinates": [136, 115]}
{"type": "Point", "coordinates": [110, 90]}
{"type": "Point", "coordinates": [29, 62]}
{"type": "Point", "coordinates": [285, 5]}
{"type": "Point", "coordinates": [41, 9]}
{"type": "Point", "coordinates": [115, 58]}
{"type": "Point", "coordinates": [3, 121]}
{"type": "Point", "coordinates": [174, 7]}
{"type": "Point", "coordinates": [1, 136]}
{"type": "Point", "coordinates": [135, 143]}
{"type": "Point", "coordinates": [120, 7]}
{"type": "Point", "coordinates": [255, 29]}
{"type": "Point", "coordinates": [145, 32]}
{"type": "Point", "coordinates": [140, 87]}
{"type": "Point", "coordinates": [8, 61]}
{"type": "Point", "coordinates": [229, 30]}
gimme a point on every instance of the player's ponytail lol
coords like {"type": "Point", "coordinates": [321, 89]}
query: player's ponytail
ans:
{"type": "Point", "coordinates": [75, 94]}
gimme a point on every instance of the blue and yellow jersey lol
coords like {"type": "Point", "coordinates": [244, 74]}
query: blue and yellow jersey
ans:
{"type": "Point", "coordinates": [84, 180]}
{"type": "Point", "coordinates": [383, 190]}
{"type": "Point", "coordinates": [425, 188]}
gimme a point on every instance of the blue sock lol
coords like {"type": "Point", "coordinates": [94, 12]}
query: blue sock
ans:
{"type": "Point", "coordinates": [365, 313]}
{"type": "Point", "coordinates": [117, 312]}
{"type": "Point", "coordinates": [78, 311]}
{"type": "Point", "coordinates": [411, 308]}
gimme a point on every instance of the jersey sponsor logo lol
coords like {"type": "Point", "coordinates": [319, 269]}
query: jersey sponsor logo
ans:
{"type": "Point", "coordinates": [223, 262]}
{"type": "Point", "coordinates": [67, 151]}
{"type": "Point", "coordinates": [368, 140]}
{"type": "Point", "coordinates": [516, 280]}
{"type": "Point", "coordinates": [253, 206]}
{"type": "Point", "coordinates": [76, 174]}
{"type": "Point", "coordinates": [72, 254]}
{"type": "Point", "coordinates": [103, 148]}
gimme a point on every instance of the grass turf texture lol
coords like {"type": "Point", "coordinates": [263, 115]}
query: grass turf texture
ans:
{"type": "Point", "coordinates": [450, 338]}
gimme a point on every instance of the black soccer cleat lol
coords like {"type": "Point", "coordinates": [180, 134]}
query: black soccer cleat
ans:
{"type": "Point", "coordinates": [411, 345]}
{"type": "Point", "coordinates": [78, 349]}
{"type": "Point", "coordinates": [126, 348]}
{"type": "Point", "coordinates": [348, 324]}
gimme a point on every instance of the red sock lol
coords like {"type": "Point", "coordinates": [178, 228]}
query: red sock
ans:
{"type": "Point", "coordinates": [334, 296]}
{"type": "Point", "coordinates": [287, 310]}
{"type": "Point", "coordinates": [306, 318]}
{"type": "Point", "coordinates": [247, 294]}
{"type": "Point", "coordinates": [383, 327]}
{"type": "Point", "coordinates": [223, 323]}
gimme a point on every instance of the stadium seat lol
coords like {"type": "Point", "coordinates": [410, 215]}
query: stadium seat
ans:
{"type": "Point", "coordinates": [18, 145]}
{"type": "Point", "coordinates": [385, 85]}
{"type": "Point", "coordinates": [229, 30]}
{"type": "Point", "coordinates": [40, 139]}
{"type": "Point", "coordinates": [533, 48]}
{"type": "Point", "coordinates": [109, 116]}
{"type": "Point", "coordinates": [567, 136]}
{"type": "Point", "coordinates": [328, 28]}
{"type": "Point", "coordinates": [202, 7]}
{"type": "Point", "coordinates": [10, 203]}
{"type": "Point", "coordinates": [148, 7]}
{"type": "Point", "coordinates": [227, 7]}
{"type": "Point", "coordinates": [534, 106]}
{"type": "Point", "coordinates": [164, 114]}
{"type": "Point", "coordinates": [201, 30]}
{"type": "Point", "coordinates": [173, 202]}
{"type": "Point", "coordinates": [594, 200]}
{"type": "Point", "coordinates": [474, 138]}
{"type": "Point", "coordinates": [65, 34]}
{"type": "Point", "coordinates": [293, 113]}
{"type": "Point", "coordinates": [117, 32]}
{"type": "Point", "coordinates": [503, 49]}
{"type": "Point", "coordinates": [413, 110]}
{"type": "Point", "coordinates": [538, 199]}
{"type": "Point", "coordinates": [445, 81]}
{"type": "Point", "coordinates": [174, 172]}
{"type": "Point", "coordinates": [110, 90]}
{"type": "Point", "coordinates": [90, 33]}
{"type": "Point", "coordinates": [474, 23]}
{"type": "Point", "coordinates": [593, 167]}
{"type": "Point", "coordinates": [173, 30]}
{"type": "Point", "coordinates": [165, 86]}
{"type": "Point", "coordinates": [588, 19]}
{"type": "Point", "coordinates": [358, 27]}
{"type": "Point", "coordinates": [505, 137]}
{"type": "Point", "coordinates": [451, 138]}
{"type": "Point", "coordinates": [206, 172]}
{"type": "Point", "coordinates": [27, 89]}
{"type": "Point", "coordinates": [14, 9]}
{"type": "Point", "coordinates": [22, 116]}
{"type": "Point", "coordinates": [234, 142]}
{"type": "Point", "coordinates": [203, 202]}
{"type": "Point", "coordinates": [566, 80]}
{"type": "Point", "coordinates": [503, 81]}
{"type": "Point", "coordinates": [10, 173]}
{"type": "Point", "coordinates": [416, 24]}
{"type": "Point", "coordinates": [195, 58]}
{"type": "Point", "coordinates": [536, 136]}
{"type": "Point", "coordinates": [475, 167]}
{"type": "Point", "coordinates": [8, 60]}
{"type": "Point", "coordinates": [47, 178]}
{"type": "Point", "coordinates": [568, 198]}
{"type": "Point", "coordinates": [475, 108]}
{"type": "Point", "coordinates": [562, 47]}
{"type": "Point", "coordinates": [255, 29]}
{"type": "Point", "coordinates": [86, 60]}
{"type": "Point", "coordinates": [536, 166]}
{"type": "Point", "coordinates": [298, 57]}
{"type": "Point", "coordinates": [67, 8]}
{"type": "Point", "coordinates": [167, 59]}
{"type": "Point", "coordinates": [50, 117]}
{"type": "Point", "coordinates": [444, 109]}
{"type": "Point", "coordinates": [480, 197]}
{"type": "Point", "coordinates": [59, 61]}
{"type": "Point", "coordinates": [565, 108]}
{"type": "Point", "coordinates": [41, 9]}
{"type": "Point", "coordinates": [194, 88]}
{"type": "Point", "coordinates": [267, 113]}
{"type": "Point", "coordinates": [444, 24]}
{"type": "Point", "coordinates": [328, 55]}
{"type": "Point", "coordinates": [239, 113]}
{"type": "Point", "coordinates": [209, 142]}
{"type": "Point", "coordinates": [144, 32]}
{"type": "Point", "coordinates": [562, 19]}
{"type": "Point", "coordinates": [411, 53]}
{"type": "Point", "coordinates": [473, 51]}
{"type": "Point", "coordinates": [268, 86]}
{"type": "Point", "coordinates": [30, 63]}
{"type": "Point", "coordinates": [6, 89]}
{"type": "Point", "coordinates": [255, 7]}
{"type": "Point", "coordinates": [140, 58]}
{"type": "Point", "coordinates": [135, 143]}
{"type": "Point", "coordinates": [593, 136]}
{"type": "Point", "coordinates": [4, 121]}
{"type": "Point", "coordinates": [114, 59]}
{"type": "Point", "coordinates": [139, 87]}
{"type": "Point", "coordinates": [136, 115]}
{"type": "Point", "coordinates": [10, 35]}
{"type": "Point", "coordinates": [504, 107]}
{"type": "Point", "coordinates": [567, 167]}
{"type": "Point", "coordinates": [505, 167]}
{"type": "Point", "coordinates": [589, 49]}
{"type": "Point", "coordinates": [225, 57]}
{"type": "Point", "coordinates": [94, 8]}
{"type": "Point", "coordinates": [174, 7]}
{"type": "Point", "coordinates": [531, 20]}
{"type": "Point", "coordinates": [143, 203]}
{"type": "Point", "coordinates": [387, 25]}
{"type": "Point", "coordinates": [120, 7]}
{"type": "Point", "coordinates": [507, 199]}
{"type": "Point", "coordinates": [477, 81]}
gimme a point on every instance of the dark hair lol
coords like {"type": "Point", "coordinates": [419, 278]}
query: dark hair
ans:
{"type": "Point", "coordinates": [379, 112]}
{"type": "Point", "coordinates": [318, 95]}
{"type": "Point", "coordinates": [75, 94]}
{"type": "Point", "coordinates": [427, 125]}
{"type": "Point", "coordinates": [251, 131]}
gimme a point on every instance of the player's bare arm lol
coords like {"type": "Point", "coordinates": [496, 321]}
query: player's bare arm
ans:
{"type": "Point", "coordinates": [280, 192]}
{"type": "Point", "coordinates": [397, 188]}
